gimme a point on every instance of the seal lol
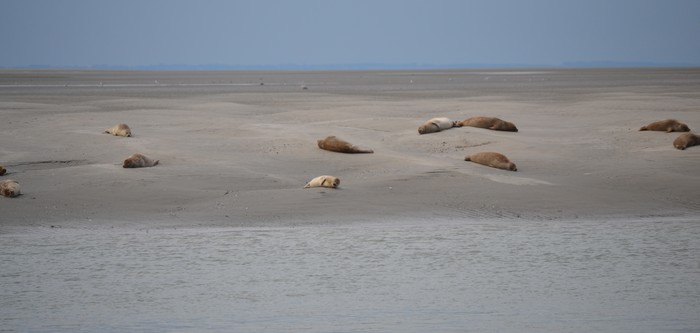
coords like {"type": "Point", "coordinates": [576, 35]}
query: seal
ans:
{"type": "Point", "coordinates": [494, 160]}
{"type": "Point", "coordinates": [119, 130]}
{"type": "Point", "coordinates": [489, 123]}
{"type": "Point", "coordinates": [323, 181]}
{"type": "Point", "coordinates": [666, 125]}
{"type": "Point", "coordinates": [686, 140]}
{"type": "Point", "coordinates": [139, 161]}
{"type": "Point", "coordinates": [9, 188]}
{"type": "Point", "coordinates": [332, 143]}
{"type": "Point", "coordinates": [436, 125]}
{"type": "Point", "coordinates": [2, 170]}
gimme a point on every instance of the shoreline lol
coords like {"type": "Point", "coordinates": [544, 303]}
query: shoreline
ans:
{"type": "Point", "coordinates": [163, 227]}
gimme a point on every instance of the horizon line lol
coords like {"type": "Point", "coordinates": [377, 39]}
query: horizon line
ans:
{"type": "Point", "coordinates": [357, 66]}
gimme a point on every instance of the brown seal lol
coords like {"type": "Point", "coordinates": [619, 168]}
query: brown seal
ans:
{"type": "Point", "coordinates": [119, 130]}
{"type": "Point", "coordinates": [2, 170]}
{"type": "Point", "coordinates": [323, 181]}
{"type": "Point", "coordinates": [9, 188]}
{"type": "Point", "coordinates": [494, 160]}
{"type": "Point", "coordinates": [139, 161]}
{"type": "Point", "coordinates": [686, 140]}
{"type": "Point", "coordinates": [666, 125]}
{"type": "Point", "coordinates": [338, 145]}
{"type": "Point", "coordinates": [436, 125]}
{"type": "Point", "coordinates": [489, 123]}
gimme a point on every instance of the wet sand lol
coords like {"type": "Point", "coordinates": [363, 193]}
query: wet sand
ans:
{"type": "Point", "coordinates": [236, 148]}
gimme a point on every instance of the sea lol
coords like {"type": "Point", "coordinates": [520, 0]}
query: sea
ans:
{"type": "Point", "coordinates": [384, 276]}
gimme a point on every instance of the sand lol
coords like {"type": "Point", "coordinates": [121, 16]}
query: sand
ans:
{"type": "Point", "coordinates": [236, 148]}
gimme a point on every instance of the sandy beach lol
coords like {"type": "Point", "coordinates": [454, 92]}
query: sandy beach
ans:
{"type": "Point", "coordinates": [236, 148]}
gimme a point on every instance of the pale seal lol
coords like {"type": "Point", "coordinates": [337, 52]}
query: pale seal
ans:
{"type": "Point", "coordinates": [686, 140]}
{"type": "Point", "coordinates": [489, 123]}
{"type": "Point", "coordinates": [139, 161]}
{"type": "Point", "coordinates": [338, 145]}
{"type": "Point", "coordinates": [9, 188]}
{"type": "Point", "coordinates": [323, 181]}
{"type": "Point", "coordinates": [119, 130]}
{"type": "Point", "coordinates": [494, 160]}
{"type": "Point", "coordinates": [666, 125]}
{"type": "Point", "coordinates": [436, 125]}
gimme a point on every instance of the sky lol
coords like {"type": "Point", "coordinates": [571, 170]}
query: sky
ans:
{"type": "Point", "coordinates": [318, 33]}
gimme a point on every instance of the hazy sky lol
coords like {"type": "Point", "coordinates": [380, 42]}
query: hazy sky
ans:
{"type": "Point", "coordinates": [328, 32]}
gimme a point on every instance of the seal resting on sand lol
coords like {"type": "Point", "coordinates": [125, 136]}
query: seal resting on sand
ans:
{"type": "Point", "coordinates": [666, 125]}
{"type": "Point", "coordinates": [119, 130]}
{"type": "Point", "coordinates": [323, 181]}
{"type": "Point", "coordinates": [686, 140]}
{"type": "Point", "coordinates": [338, 145]}
{"type": "Point", "coordinates": [436, 125]}
{"type": "Point", "coordinates": [489, 123]}
{"type": "Point", "coordinates": [2, 170]}
{"type": "Point", "coordinates": [9, 188]}
{"type": "Point", "coordinates": [494, 160]}
{"type": "Point", "coordinates": [139, 161]}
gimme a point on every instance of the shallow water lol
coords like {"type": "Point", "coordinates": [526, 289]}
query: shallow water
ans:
{"type": "Point", "coordinates": [438, 276]}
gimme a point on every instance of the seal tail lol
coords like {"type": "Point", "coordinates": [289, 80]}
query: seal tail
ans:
{"type": "Point", "coordinates": [156, 162]}
{"type": "Point", "coordinates": [467, 158]}
{"type": "Point", "coordinates": [644, 128]}
{"type": "Point", "coordinates": [357, 150]}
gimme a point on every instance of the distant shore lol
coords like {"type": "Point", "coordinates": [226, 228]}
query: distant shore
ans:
{"type": "Point", "coordinates": [364, 66]}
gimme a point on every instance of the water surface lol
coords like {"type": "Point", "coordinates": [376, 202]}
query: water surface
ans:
{"type": "Point", "coordinates": [437, 276]}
